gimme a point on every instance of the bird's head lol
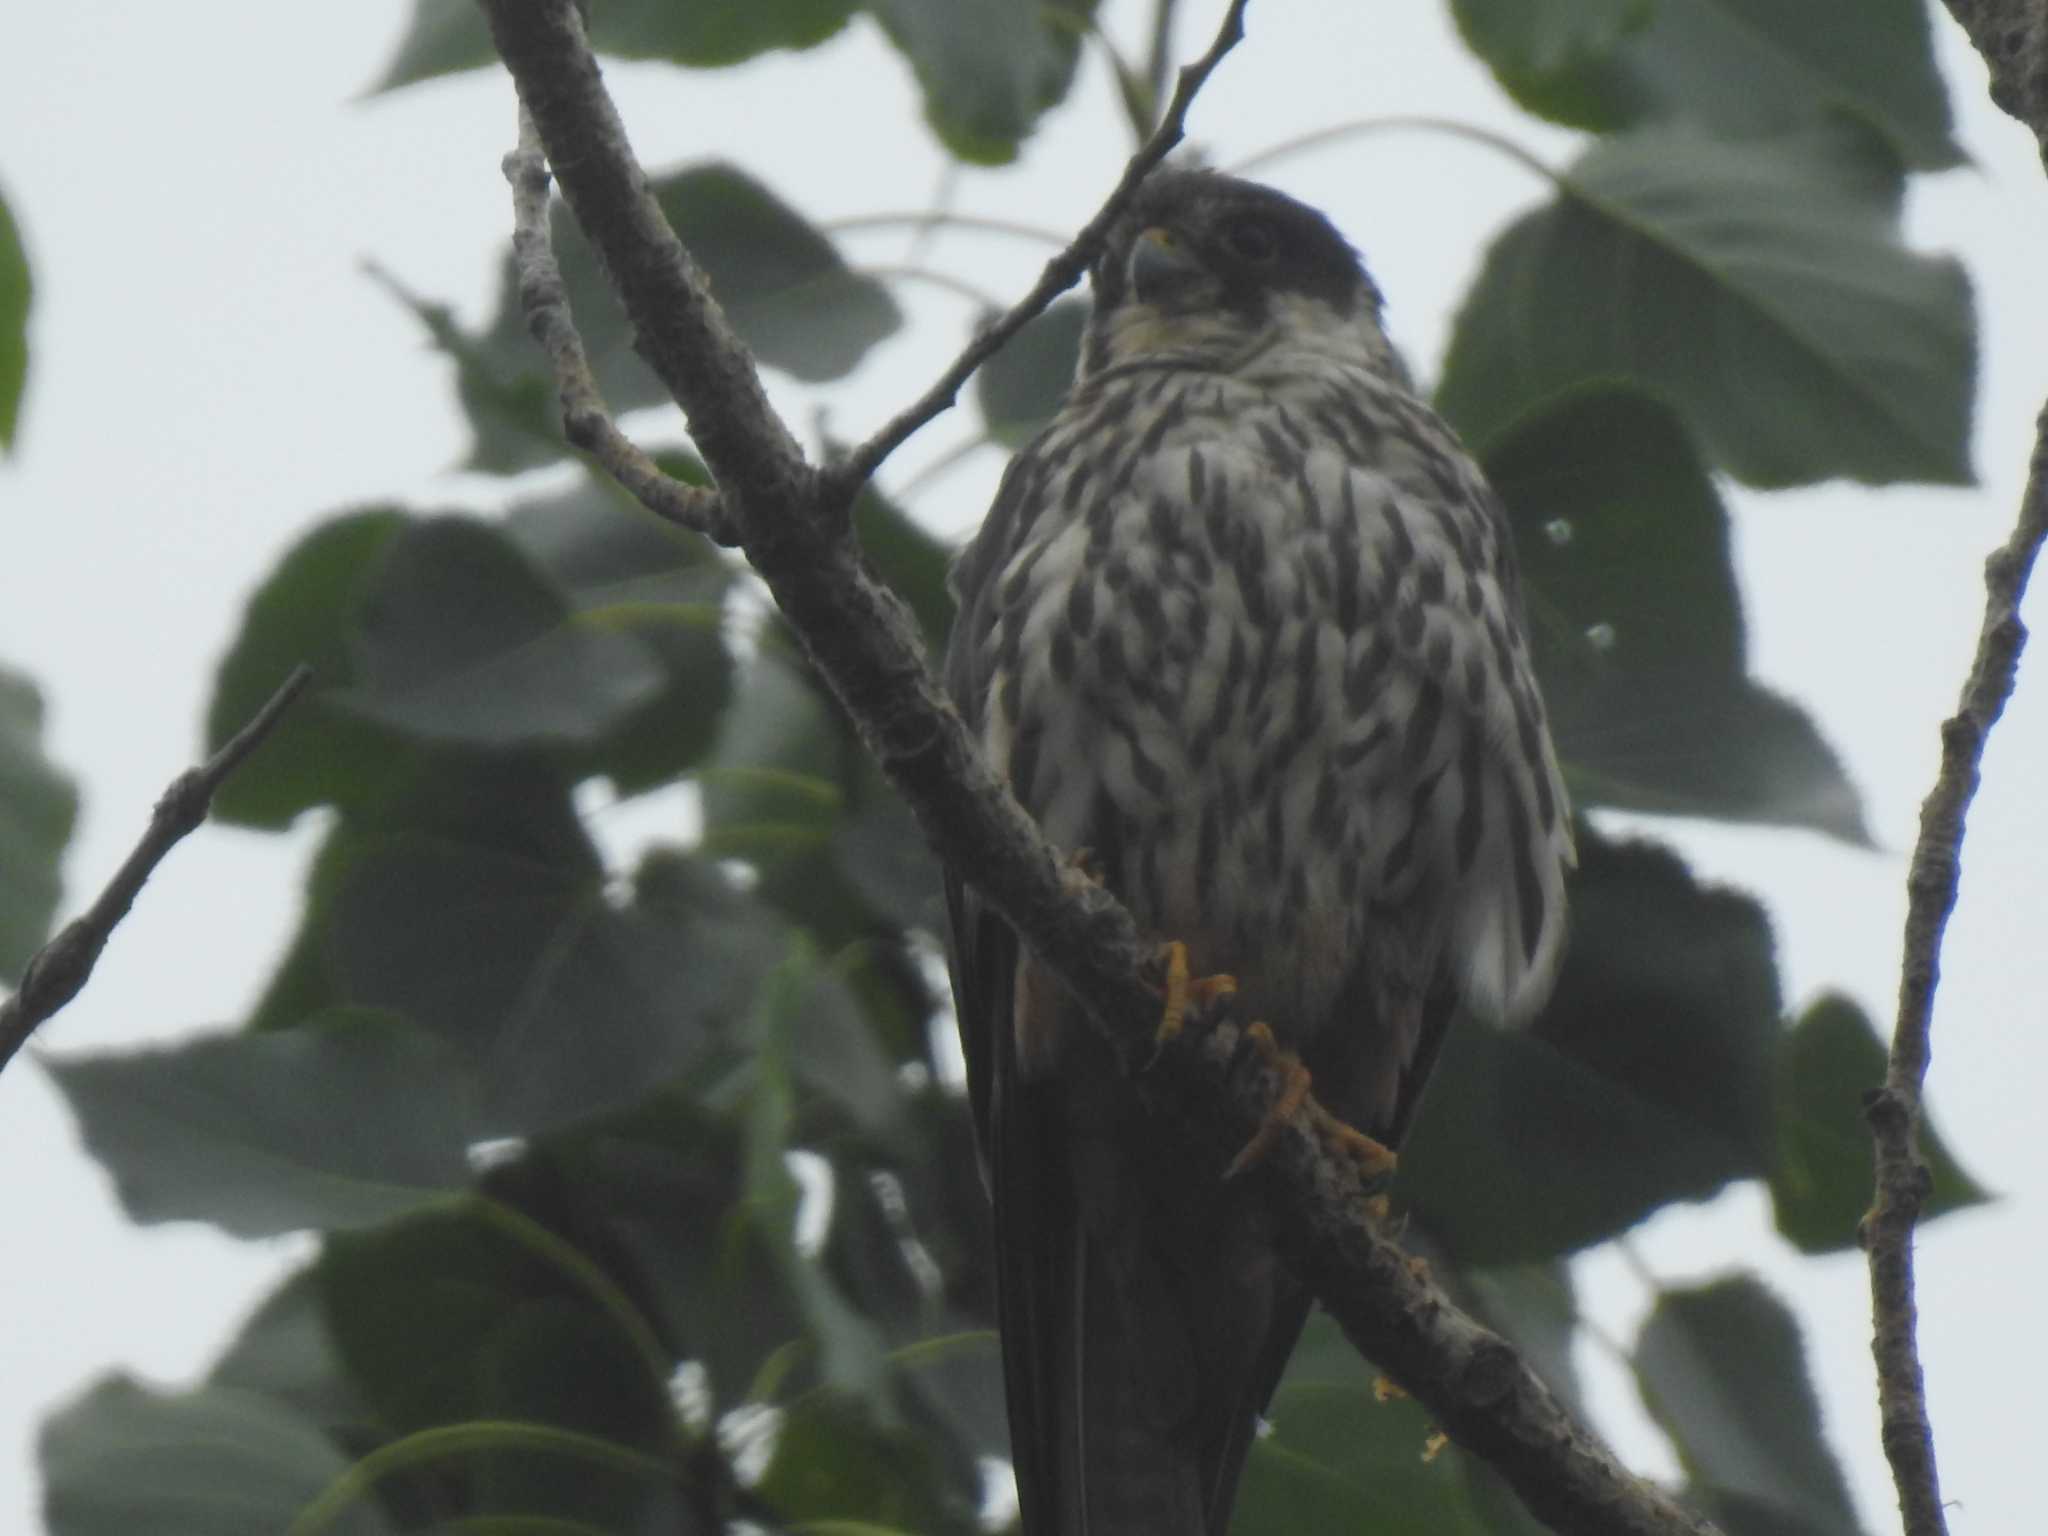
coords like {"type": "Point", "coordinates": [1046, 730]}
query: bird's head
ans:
{"type": "Point", "coordinates": [1208, 268]}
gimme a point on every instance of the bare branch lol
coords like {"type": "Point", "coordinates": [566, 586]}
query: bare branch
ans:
{"type": "Point", "coordinates": [1894, 1110]}
{"type": "Point", "coordinates": [2012, 35]}
{"type": "Point", "coordinates": [843, 480]}
{"type": "Point", "coordinates": [1159, 56]}
{"type": "Point", "coordinates": [586, 420]}
{"type": "Point", "coordinates": [864, 643]}
{"type": "Point", "coordinates": [64, 965]}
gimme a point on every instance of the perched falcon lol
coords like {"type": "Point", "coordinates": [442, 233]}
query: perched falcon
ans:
{"type": "Point", "coordinates": [1243, 624]}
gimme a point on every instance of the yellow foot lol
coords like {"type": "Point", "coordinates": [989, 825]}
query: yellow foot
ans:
{"type": "Point", "coordinates": [1374, 1160]}
{"type": "Point", "coordinates": [1294, 1086]}
{"type": "Point", "coordinates": [1183, 991]}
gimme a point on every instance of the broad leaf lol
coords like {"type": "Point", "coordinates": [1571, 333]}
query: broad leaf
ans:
{"type": "Point", "coordinates": [1550, 54]}
{"type": "Point", "coordinates": [479, 1313]}
{"type": "Point", "coordinates": [1020, 388]}
{"type": "Point", "coordinates": [1722, 1369]}
{"type": "Point", "coordinates": [1747, 68]}
{"type": "Point", "coordinates": [988, 67]}
{"type": "Point", "coordinates": [780, 282]}
{"type": "Point", "coordinates": [319, 753]}
{"type": "Point", "coordinates": [15, 292]}
{"type": "Point", "coordinates": [449, 35]}
{"type": "Point", "coordinates": [1637, 625]}
{"type": "Point", "coordinates": [850, 1348]}
{"type": "Point", "coordinates": [1824, 1176]}
{"type": "Point", "coordinates": [627, 571]}
{"type": "Point", "coordinates": [346, 1121]}
{"type": "Point", "coordinates": [458, 640]}
{"type": "Point", "coordinates": [283, 1352]}
{"type": "Point", "coordinates": [215, 1462]}
{"type": "Point", "coordinates": [1646, 1080]}
{"type": "Point", "coordinates": [834, 1469]}
{"type": "Point", "coordinates": [1740, 68]}
{"type": "Point", "coordinates": [1759, 287]}
{"type": "Point", "coordinates": [631, 574]}
{"type": "Point", "coordinates": [37, 809]}
{"type": "Point", "coordinates": [496, 932]}
{"type": "Point", "coordinates": [1338, 1458]}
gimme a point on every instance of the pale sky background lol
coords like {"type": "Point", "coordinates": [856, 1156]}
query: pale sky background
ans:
{"type": "Point", "coordinates": [211, 374]}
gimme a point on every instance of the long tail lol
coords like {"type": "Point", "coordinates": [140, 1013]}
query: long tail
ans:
{"type": "Point", "coordinates": [1146, 1319]}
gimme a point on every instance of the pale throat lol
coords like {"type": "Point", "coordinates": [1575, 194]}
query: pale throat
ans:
{"type": "Point", "coordinates": [1294, 325]}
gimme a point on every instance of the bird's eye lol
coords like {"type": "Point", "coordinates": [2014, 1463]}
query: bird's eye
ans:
{"type": "Point", "coordinates": [1252, 240]}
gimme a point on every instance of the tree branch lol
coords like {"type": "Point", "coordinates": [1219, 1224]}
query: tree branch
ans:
{"type": "Point", "coordinates": [586, 420]}
{"type": "Point", "coordinates": [2012, 35]}
{"type": "Point", "coordinates": [64, 965]}
{"type": "Point", "coordinates": [791, 522]}
{"type": "Point", "coordinates": [1894, 1110]}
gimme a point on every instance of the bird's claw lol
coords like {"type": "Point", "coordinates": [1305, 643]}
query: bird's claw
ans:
{"type": "Point", "coordinates": [1183, 991]}
{"type": "Point", "coordinates": [1294, 1086]}
{"type": "Point", "coordinates": [1374, 1161]}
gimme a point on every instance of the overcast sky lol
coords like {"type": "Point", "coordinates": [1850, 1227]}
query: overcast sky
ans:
{"type": "Point", "coordinates": [211, 373]}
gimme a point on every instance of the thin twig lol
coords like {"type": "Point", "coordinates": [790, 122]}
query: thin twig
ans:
{"type": "Point", "coordinates": [1903, 1181]}
{"type": "Point", "coordinates": [840, 482]}
{"type": "Point", "coordinates": [64, 965]}
{"type": "Point", "coordinates": [586, 420]}
{"type": "Point", "coordinates": [1159, 57]}
{"type": "Point", "coordinates": [2012, 36]}
{"type": "Point", "coordinates": [972, 223]}
{"type": "Point", "coordinates": [866, 646]}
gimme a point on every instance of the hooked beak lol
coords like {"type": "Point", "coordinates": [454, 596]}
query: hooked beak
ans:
{"type": "Point", "coordinates": [1162, 267]}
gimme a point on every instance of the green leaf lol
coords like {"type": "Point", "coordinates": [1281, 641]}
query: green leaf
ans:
{"type": "Point", "coordinates": [1637, 624]}
{"type": "Point", "coordinates": [781, 283]}
{"type": "Point", "coordinates": [37, 809]}
{"type": "Point", "coordinates": [15, 292]}
{"type": "Point", "coordinates": [1739, 68]}
{"type": "Point", "coordinates": [426, 1315]}
{"type": "Point", "coordinates": [459, 640]}
{"type": "Point", "coordinates": [1646, 1080]}
{"type": "Point", "coordinates": [283, 1352]}
{"type": "Point", "coordinates": [1824, 1176]}
{"type": "Point", "coordinates": [1759, 287]}
{"type": "Point", "coordinates": [449, 35]}
{"type": "Point", "coordinates": [490, 926]}
{"type": "Point", "coordinates": [850, 1350]}
{"type": "Point", "coordinates": [1020, 388]}
{"type": "Point", "coordinates": [215, 1462]}
{"type": "Point", "coordinates": [625, 569]}
{"type": "Point", "coordinates": [1722, 1370]}
{"type": "Point", "coordinates": [833, 1464]}
{"type": "Point", "coordinates": [1339, 1459]}
{"type": "Point", "coordinates": [988, 68]}
{"type": "Point", "coordinates": [565, 1365]}
{"type": "Point", "coordinates": [1550, 54]}
{"type": "Point", "coordinates": [319, 753]}
{"type": "Point", "coordinates": [346, 1121]}
{"type": "Point", "coordinates": [660, 1192]}
{"type": "Point", "coordinates": [1750, 68]}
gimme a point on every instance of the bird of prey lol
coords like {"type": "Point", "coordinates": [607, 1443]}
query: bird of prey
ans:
{"type": "Point", "coordinates": [1243, 624]}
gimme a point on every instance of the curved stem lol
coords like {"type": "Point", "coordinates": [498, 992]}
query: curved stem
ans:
{"type": "Point", "coordinates": [978, 223]}
{"type": "Point", "coordinates": [1363, 127]}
